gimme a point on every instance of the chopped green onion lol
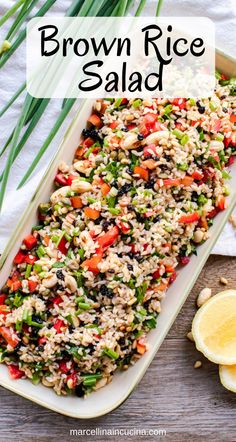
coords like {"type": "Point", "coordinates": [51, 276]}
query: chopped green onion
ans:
{"type": "Point", "coordinates": [41, 251]}
{"type": "Point", "coordinates": [184, 140]}
{"type": "Point", "coordinates": [114, 211]}
{"type": "Point", "coordinates": [226, 175]}
{"type": "Point", "coordinates": [202, 200]}
{"type": "Point", "coordinates": [178, 133]}
{"type": "Point", "coordinates": [84, 305]}
{"type": "Point", "coordinates": [220, 137]}
{"type": "Point", "coordinates": [213, 106]}
{"type": "Point", "coordinates": [137, 103]}
{"type": "Point", "coordinates": [183, 166]}
{"type": "Point", "coordinates": [58, 265]}
{"type": "Point", "coordinates": [28, 271]}
{"type": "Point", "coordinates": [110, 353]}
{"type": "Point", "coordinates": [81, 253]}
{"type": "Point", "coordinates": [37, 268]}
{"type": "Point", "coordinates": [192, 102]}
{"type": "Point", "coordinates": [117, 102]}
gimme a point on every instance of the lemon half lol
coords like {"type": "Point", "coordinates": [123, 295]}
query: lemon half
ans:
{"type": "Point", "coordinates": [214, 328]}
{"type": "Point", "coordinates": [228, 376]}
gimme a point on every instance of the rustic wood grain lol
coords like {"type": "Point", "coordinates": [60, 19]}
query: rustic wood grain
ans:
{"type": "Point", "coordinates": [190, 404]}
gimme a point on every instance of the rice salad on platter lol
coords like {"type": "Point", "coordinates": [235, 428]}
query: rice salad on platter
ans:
{"type": "Point", "coordinates": [86, 286]}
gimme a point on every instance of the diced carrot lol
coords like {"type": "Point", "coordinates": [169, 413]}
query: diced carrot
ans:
{"type": "Point", "coordinates": [76, 202]}
{"type": "Point", "coordinates": [233, 118]}
{"type": "Point", "coordinates": [9, 336]}
{"type": "Point", "coordinates": [187, 181]}
{"type": "Point", "coordinates": [141, 172]}
{"type": "Point", "coordinates": [92, 263]}
{"type": "Point", "coordinates": [46, 239]}
{"type": "Point", "coordinates": [14, 285]}
{"type": "Point", "coordinates": [91, 213]}
{"type": "Point", "coordinates": [171, 182]}
{"type": "Point", "coordinates": [95, 120]}
{"type": "Point", "coordinates": [80, 151]}
{"type": "Point", "coordinates": [141, 345]}
{"type": "Point", "coordinates": [105, 189]}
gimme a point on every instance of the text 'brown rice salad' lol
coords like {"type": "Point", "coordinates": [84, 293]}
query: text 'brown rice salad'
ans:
{"type": "Point", "coordinates": [86, 286]}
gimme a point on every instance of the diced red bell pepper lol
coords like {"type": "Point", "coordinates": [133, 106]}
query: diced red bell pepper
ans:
{"type": "Point", "coordinates": [228, 140]}
{"type": "Point", "coordinates": [231, 161]}
{"type": "Point", "coordinates": [58, 325]}
{"type": "Point", "coordinates": [2, 298]}
{"type": "Point", "coordinates": [224, 77]}
{"type": "Point", "coordinates": [19, 258]}
{"type": "Point", "coordinates": [221, 202]}
{"type": "Point", "coordinates": [70, 178]}
{"type": "Point", "coordinates": [72, 377]}
{"type": "Point", "coordinates": [14, 285]}
{"type": "Point", "coordinates": [62, 246]}
{"type": "Point", "coordinates": [113, 125]}
{"type": "Point", "coordinates": [32, 285]}
{"type": "Point", "coordinates": [131, 126]}
{"type": "Point", "coordinates": [213, 213]}
{"type": "Point", "coordinates": [150, 149]}
{"type": "Point", "coordinates": [191, 218]}
{"type": "Point", "coordinates": [63, 367]}
{"type": "Point", "coordinates": [9, 336]}
{"type": "Point", "coordinates": [95, 120]}
{"type": "Point", "coordinates": [4, 310]}
{"type": "Point", "coordinates": [42, 340]}
{"type": "Point", "coordinates": [197, 175]}
{"type": "Point", "coordinates": [30, 259]}
{"type": "Point", "coordinates": [15, 372]}
{"type": "Point", "coordinates": [184, 260]}
{"type": "Point", "coordinates": [233, 118]}
{"type": "Point", "coordinates": [124, 227]}
{"type": "Point", "coordinates": [88, 142]}
{"type": "Point", "coordinates": [150, 118]}
{"type": "Point", "coordinates": [173, 277]}
{"type": "Point", "coordinates": [156, 274]}
{"type": "Point", "coordinates": [30, 241]}
{"type": "Point", "coordinates": [58, 300]}
{"type": "Point", "coordinates": [169, 268]}
{"type": "Point", "coordinates": [124, 101]}
{"type": "Point", "coordinates": [180, 102]}
{"type": "Point", "coordinates": [61, 179]}
{"type": "Point", "coordinates": [108, 238]}
{"type": "Point", "coordinates": [216, 125]}
{"type": "Point", "coordinates": [92, 263]}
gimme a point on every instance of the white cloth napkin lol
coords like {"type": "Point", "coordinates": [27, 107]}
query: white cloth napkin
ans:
{"type": "Point", "coordinates": [12, 75]}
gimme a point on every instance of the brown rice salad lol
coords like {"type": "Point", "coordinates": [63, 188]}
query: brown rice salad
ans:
{"type": "Point", "coordinates": [87, 283]}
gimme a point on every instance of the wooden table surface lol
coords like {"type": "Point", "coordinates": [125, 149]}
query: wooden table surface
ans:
{"type": "Point", "coordinates": [190, 404]}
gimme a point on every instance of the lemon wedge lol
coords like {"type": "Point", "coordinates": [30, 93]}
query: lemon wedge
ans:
{"type": "Point", "coordinates": [214, 328]}
{"type": "Point", "coordinates": [228, 376]}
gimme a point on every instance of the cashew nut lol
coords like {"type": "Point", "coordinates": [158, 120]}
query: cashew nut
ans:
{"type": "Point", "coordinates": [157, 136]}
{"type": "Point", "coordinates": [50, 281]}
{"type": "Point", "coordinates": [71, 283]}
{"type": "Point", "coordinates": [129, 141]}
{"type": "Point", "coordinates": [203, 296]}
{"type": "Point", "coordinates": [80, 186]}
{"type": "Point", "coordinates": [59, 194]}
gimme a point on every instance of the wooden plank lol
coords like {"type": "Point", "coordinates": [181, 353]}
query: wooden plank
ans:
{"type": "Point", "coordinates": [189, 404]}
